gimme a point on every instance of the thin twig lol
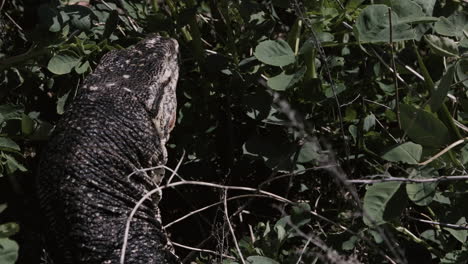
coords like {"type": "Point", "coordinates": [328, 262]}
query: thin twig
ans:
{"type": "Point", "coordinates": [231, 229]}
{"type": "Point", "coordinates": [177, 167]}
{"type": "Point", "coordinates": [1, 5]}
{"type": "Point", "coordinates": [213, 205]}
{"type": "Point", "coordinates": [202, 250]}
{"type": "Point", "coordinates": [400, 179]}
{"type": "Point", "coordinates": [303, 250]}
{"type": "Point", "coordinates": [160, 188]}
{"type": "Point", "coordinates": [451, 146]}
{"type": "Point", "coordinates": [395, 74]}
{"type": "Point", "coordinates": [453, 226]}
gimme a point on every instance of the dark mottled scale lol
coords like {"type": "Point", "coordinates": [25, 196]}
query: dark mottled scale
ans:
{"type": "Point", "coordinates": [112, 128]}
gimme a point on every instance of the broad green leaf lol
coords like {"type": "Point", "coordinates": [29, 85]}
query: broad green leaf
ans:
{"type": "Point", "coordinates": [426, 5]}
{"type": "Point", "coordinates": [408, 152]}
{"type": "Point", "coordinates": [455, 257]}
{"type": "Point", "coordinates": [442, 45]}
{"type": "Point", "coordinates": [462, 72]}
{"type": "Point", "coordinates": [441, 198]}
{"type": "Point", "coordinates": [422, 193]}
{"type": "Point", "coordinates": [373, 25]}
{"type": "Point", "coordinates": [63, 62]}
{"type": "Point", "coordinates": [423, 127]}
{"type": "Point", "coordinates": [350, 243]}
{"type": "Point", "coordinates": [3, 206]}
{"type": "Point", "coordinates": [27, 125]}
{"type": "Point", "coordinates": [460, 235]}
{"type": "Point", "coordinates": [300, 214]}
{"type": "Point", "coordinates": [369, 122]}
{"type": "Point", "coordinates": [50, 19]}
{"type": "Point", "coordinates": [8, 251]}
{"type": "Point", "coordinates": [12, 164]}
{"type": "Point", "coordinates": [81, 17]}
{"type": "Point", "coordinates": [308, 152]}
{"type": "Point", "coordinates": [82, 68]}
{"type": "Point", "coordinates": [377, 201]}
{"type": "Point", "coordinates": [260, 260]}
{"type": "Point", "coordinates": [441, 90]}
{"type": "Point", "coordinates": [61, 103]}
{"type": "Point", "coordinates": [405, 8]}
{"type": "Point", "coordinates": [9, 112]}
{"type": "Point", "coordinates": [284, 81]}
{"type": "Point", "coordinates": [275, 52]}
{"type": "Point", "coordinates": [454, 25]}
{"type": "Point", "coordinates": [8, 144]}
{"type": "Point", "coordinates": [8, 229]}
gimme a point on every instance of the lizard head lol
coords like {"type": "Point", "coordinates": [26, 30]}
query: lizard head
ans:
{"type": "Point", "coordinates": [148, 71]}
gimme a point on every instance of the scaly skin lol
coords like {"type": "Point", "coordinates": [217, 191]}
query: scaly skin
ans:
{"type": "Point", "coordinates": [118, 123]}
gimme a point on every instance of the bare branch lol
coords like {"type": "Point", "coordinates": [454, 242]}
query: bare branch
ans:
{"type": "Point", "coordinates": [231, 229]}
{"type": "Point", "coordinates": [202, 250]}
{"type": "Point", "coordinates": [401, 179]}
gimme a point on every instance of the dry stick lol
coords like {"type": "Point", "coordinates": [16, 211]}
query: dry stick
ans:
{"type": "Point", "coordinates": [177, 168]}
{"type": "Point", "coordinates": [14, 22]}
{"type": "Point", "coordinates": [460, 125]}
{"type": "Point", "coordinates": [233, 234]}
{"type": "Point", "coordinates": [453, 226]}
{"type": "Point", "coordinates": [1, 6]}
{"type": "Point", "coordinates": [214, 185]}
{"type": "Point", "coordinates": [302, 251]}
{"type": "Point", "coordinates": [399, 179]}
{"type": "Point", "coordinates": [202, 250]}
{"type": "Point", "coordinates": [212, 205]}
{"type": "Point", "coordinates": [395, 74]}
{"type": "Point", "coordinates": [456, 143]}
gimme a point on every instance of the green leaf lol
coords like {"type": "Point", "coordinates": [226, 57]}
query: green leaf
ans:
{"type": "Point", "coordinates": [408, 152]}
{"type": "Point", "coordinates": [61, 103]}
{"type": "Point", "coordinates": [300, 214]}
{"type": "Point", "coordinates": [462, 72]}
{"type": "Point", "coordinates": [350, 243]}
{"type": "Point", "coordinates": [442, 89]}
{"type": "Point", "coordinates": [8, 229]}
{"type": "Point", "coordinates": [8, 144]}
{"type": "Point", "coordinates": [9, 112]}
{"type": "Point", "coordinates": [12, 164]}
{"type": "Point", "coordinates": [81, 17]}
{"type": "Point", "coordinates": [422, 193]}
{"type": "Point", "coordinates": [426, 5]}
{"type": "Point", "coordinates": [442, 46]}
{"type": "Point", "coordinates": [63, 62]}
{"type": "Point", "coordinates": [454, 25]}
{"type": "Point", "coordinates": [82, 68]}
{"type": "Point", "coordinates": [284, 81]}
{"type": "Point", "coordinates": [308, 152]}
{"type": "Point", "coordinates": [50, 19]}
{"type": "Point", "coordinates": [27, 125]}
{"type": "Point", "coordinates": [8, 251]}
{"type": "Point", "coordinates": [378, 200]}
{"type": "Point", "coordinates": [3, 206]}
{"type": "Point", "coordinates": [369, 122]}
{"type": "Point", "coordinates": [260, 260]}
{"type": "Point", "coordinates": [275, 52]}
{"type": "Point", "coordinates": [423, 127]}
{"type": "Point", "coordinates": [460, 235]}
{"type": "Point", "coordinates": [373, 25]}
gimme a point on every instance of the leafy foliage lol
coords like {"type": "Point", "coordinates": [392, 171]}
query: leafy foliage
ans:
{"type": "Point", "coordinates": [293, 97]}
